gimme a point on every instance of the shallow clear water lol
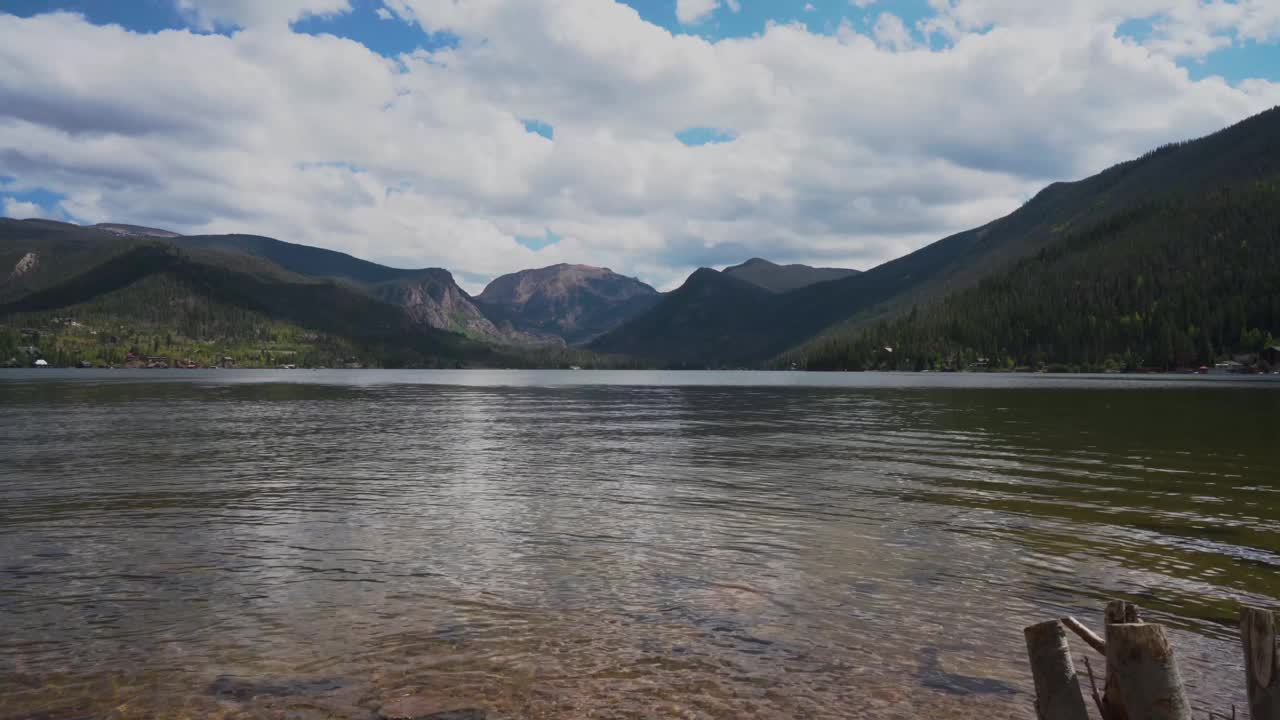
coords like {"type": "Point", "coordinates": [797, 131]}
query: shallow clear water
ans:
{"type": "Point", "coordinates": [569, 544]}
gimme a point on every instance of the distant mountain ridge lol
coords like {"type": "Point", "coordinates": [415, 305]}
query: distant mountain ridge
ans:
{"type": "Point", "coordinates": [781, 278]}
{"type": "Point", "coordinates": [430, 295]}
{"type": "Point", "coordinates": [47, 262]}
{"type": "Point", "coordinates": [302, 259]}
{"type": "Point", "coordinates": [575, 302]}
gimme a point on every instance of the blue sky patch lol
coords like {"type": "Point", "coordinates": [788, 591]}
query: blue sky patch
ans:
{"type": "Point", "coordinates": [1139, 30]}
{"type": "Point", "coordinates": [536, 242]}
{"type": "Point", "coordinates": [48, 200]}
{"type": "Point", "coordinates": [146, 16]}
{"type": "Point", "coordinates": [1242, 61]}
{"type": "Point", "coordinates": [381, 32]}
{"type": "Point", "coordinates": [538, 127]}
{"type": "Point", "coordinates": [754, 16]}
{"type": "Point", "coordinates": [697, 136]}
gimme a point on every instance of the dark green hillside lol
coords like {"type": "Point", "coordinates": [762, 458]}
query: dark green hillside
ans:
{"type": "Point", "coordinates": [781, 278]}
{"type": "Point", "coordinates": [161, 315]}
{"type": "Point", "coordinates": [712, 320]}
{"type": "Point", "coordinates": [430, 296]}
{"type": "Point", "coordinates": [36, 254]}
{"type": "Point", "coordinates": [1171, 284]}
{"type": "Point", "coordinates": [236, 284]}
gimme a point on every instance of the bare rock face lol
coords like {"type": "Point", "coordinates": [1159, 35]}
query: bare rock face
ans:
{"type": "Point", "coordinates": [575, 302]}
{"type": "Point", "coordinates": [432, 297]}
{"type": "Point", "coordinates": [136, 230]}
{"type": "Point", "coordinates": [26, 264]}
{"type": "Point", "coordinates": [435, 299]}
{"type": "Point", "coordinates": [417, 707]}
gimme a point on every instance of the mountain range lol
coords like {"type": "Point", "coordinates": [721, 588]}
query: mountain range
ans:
{"type": "Point", "coordinates": [104, 291]}
{"type": "Point", "coordinates": [1168, 260]}
{"type": "Point", "coordinates": [1063, 233]}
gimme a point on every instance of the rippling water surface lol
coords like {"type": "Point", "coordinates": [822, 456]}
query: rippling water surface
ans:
{"type": "Point", "coordinates": [311, 544]}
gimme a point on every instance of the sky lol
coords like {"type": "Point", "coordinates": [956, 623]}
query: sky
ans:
{"type": "Point", "coordinates": [650, 136]}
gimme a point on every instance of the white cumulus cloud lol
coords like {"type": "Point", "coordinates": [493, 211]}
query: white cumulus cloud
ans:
{"type": "Point", "coordinates": [890, 32]}
{"type": "Point", "coordinates": [845, 151]}
{"type": "Point", "coordinates": [21, 210]}
{"type": "Point", "coordinates": [690, 12]}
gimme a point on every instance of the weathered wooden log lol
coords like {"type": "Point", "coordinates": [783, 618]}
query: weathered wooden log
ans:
{"type": "Point", "coordinates": [1112, 706]}
{"type": "Point", "coordinates": [1090, 637]}
{"type": "Point", "coordinates": [1058, 694]}
{"type": "Point", "coordinates": [1261, 662]}
{"type": "Point", "coordinates": [1122, 612]}
{"type": "Point", "coordinates": [1146, 672]}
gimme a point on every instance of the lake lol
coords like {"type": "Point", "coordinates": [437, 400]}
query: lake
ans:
{"type": "Point", "coordinates": [313, 544]}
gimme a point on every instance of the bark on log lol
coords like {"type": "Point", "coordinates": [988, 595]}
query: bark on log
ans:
{"type": "Point", "coordinates": [1146, 672]}
{"type": "Point", "coordinates": [1258, 633]}
{"type": "Point", "coordinates": [1118, 612]}
{"type": "Point", "coordinates": [1058, 695]}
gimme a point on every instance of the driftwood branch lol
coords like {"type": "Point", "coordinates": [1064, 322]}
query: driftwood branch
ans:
{"type": "Point", "coordinates": [1261, 658]}
{"type": "Point", "coordinates": [1057, 689]}
{"type": "Point", "coordinates": [1146, 672]}
{"type": "Point", "coordinates": [1090, 637]}
{"type": "Point", "coordinates": [1093, 688]}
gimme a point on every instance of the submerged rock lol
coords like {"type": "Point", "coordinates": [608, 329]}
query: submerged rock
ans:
{"type": "Point", "coordinates": [933, 676]}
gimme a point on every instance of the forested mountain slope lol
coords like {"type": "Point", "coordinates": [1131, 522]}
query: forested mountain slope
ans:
{"type": "Point", "coordinates": [713, 319]}
{"type": "Point", "coordinates": [431, 296]}
{"type": "Point", "coordinates": [1176, 283]}
{"type": "Point", "coordinates": [152, 289]}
